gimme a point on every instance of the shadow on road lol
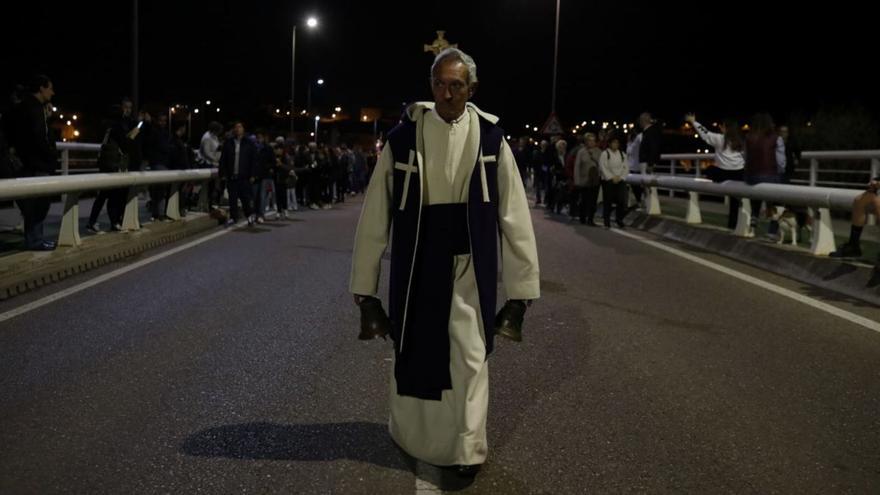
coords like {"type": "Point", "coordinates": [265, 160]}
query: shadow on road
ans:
{"type": "Point", "coordinates": [365, 442]}
{"type": "Point", "coordinates": [358, 441]}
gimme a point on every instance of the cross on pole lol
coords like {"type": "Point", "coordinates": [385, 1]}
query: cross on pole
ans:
{"type": "Point", "coordinates": [439, 44]}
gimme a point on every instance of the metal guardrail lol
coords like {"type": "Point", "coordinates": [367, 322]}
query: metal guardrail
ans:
{"type": "Point", "coordinates": [66, 148]}
{"type": "Point", "coordinates": [820, 199]}
{"type": "Point", "coordinates": [71, 186]}
{"type": "Point", "coordinates": [814, 172]}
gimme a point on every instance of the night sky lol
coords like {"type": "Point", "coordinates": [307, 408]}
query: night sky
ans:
{"type": "Point", "coordinates": [615, 60]}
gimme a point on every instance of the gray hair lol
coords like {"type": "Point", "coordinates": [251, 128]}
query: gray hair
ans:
{"type": "Point", "coordinates": [456, 54]}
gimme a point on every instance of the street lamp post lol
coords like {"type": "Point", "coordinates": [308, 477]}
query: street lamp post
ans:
{"type": "Point", "coordinates": [555, 60]}
{"type": "Point", "coordinates": [312, 23]}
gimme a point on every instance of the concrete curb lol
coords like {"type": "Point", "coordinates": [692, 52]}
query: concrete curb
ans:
{"type": "Point", "coordinates": [856, 280]}
{"type": "Point", "coordinates": [26, 271]}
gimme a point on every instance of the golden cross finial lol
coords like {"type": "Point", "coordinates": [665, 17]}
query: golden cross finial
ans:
{"type": "Point", "coordinates": [439, 44]}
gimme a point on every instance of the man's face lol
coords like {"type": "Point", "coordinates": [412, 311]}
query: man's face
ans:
{"type": "Point", "coordinates": [591, 142]}
{"type": "Point", "coordinates": [238, 130]}
{"type": "Point", "coordinates": [46, 93]}
{"type": "Point", "coordinates": [783, 133]}
{"type": "Point", "coordinates": [162, 121]}
{"type": "Point", "coordinates": [451, 90]}
{"type": "Point", "coordinates": [126, 109]}
{"type": "Point", "coordinates": [615, 145]}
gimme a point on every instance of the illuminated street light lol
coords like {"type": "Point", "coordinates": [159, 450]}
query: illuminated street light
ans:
{"type": "Point", "coordinates": [312, 22]}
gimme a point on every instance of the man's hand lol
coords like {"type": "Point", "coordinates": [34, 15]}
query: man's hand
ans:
{"type": "Point", "coordinates": [615, 179]}
{"type": "Point", "coordinates": [374, 320]}
{"type": "Point", "coordinates": [509, 321]}
{"type": "Point", "coordinates": [252, 179]}
{"type": "Point", "coordinates": [133, 133]}
{"type": "Point", "coordinates": [358, 299]}
{"type": "Point", "coordinates": [690, 118]}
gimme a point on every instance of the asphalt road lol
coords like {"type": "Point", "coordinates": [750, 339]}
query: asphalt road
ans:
{"type": "Point", "coordinates": [233, 367]}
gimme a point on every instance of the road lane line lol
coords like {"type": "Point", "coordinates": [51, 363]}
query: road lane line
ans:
{"type": "Point", "coordinates": [815, 303]}
{"type": "Point", "coordinates": [39, 303]}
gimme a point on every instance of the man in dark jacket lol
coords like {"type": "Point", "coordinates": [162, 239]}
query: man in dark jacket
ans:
{"type": "Point", "coordinates": [238, 165]}
{"type": "Point", "coordinates": [652, 137]}
{"type": "Point", "coordinates": [34, 146]}
{"type": "Point", "coordinates": [120, 152]}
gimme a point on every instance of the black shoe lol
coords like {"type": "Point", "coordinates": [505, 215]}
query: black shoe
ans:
{"type": "Point", "coordinates": [620, 225]}
{"type": "Point", "coordinates": [847, 251]}
{"type": "Point", "coordinates": [468, 471]}
{"type": "Point", "coordinates": [43, 246]}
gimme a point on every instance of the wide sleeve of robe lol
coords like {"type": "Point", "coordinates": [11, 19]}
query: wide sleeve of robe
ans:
{"type": "Point", "coordinates": [374, 228]}
{"type": "Point", "coordinates": [519, 254]}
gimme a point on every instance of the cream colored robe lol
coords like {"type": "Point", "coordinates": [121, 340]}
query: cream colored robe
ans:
{"type": "Point", "coordinates": [451, 431]}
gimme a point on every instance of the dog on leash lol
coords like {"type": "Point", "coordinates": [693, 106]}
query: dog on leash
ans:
{"type": "Point", "coordinates": [787, 223]}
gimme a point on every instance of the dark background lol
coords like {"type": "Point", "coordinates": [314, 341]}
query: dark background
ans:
{"type": "Point", "coordinates": [615, 58]}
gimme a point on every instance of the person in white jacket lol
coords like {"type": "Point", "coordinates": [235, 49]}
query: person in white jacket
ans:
{"type": "Point", "coordinates": [614, 168]}
{"type": "Point", "coordinates": [729, 157]}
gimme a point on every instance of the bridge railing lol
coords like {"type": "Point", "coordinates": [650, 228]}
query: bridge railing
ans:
{"type": "Point", "coordinates": [72, 186]}
{"type": "Point", "coordinates": [820, 201]}
{"type": "Point", "coordinates": [78, 158]}
{"type": "Point", "coordinates": [817, 173]}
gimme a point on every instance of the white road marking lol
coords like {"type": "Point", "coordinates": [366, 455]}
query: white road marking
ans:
{"type": "Point", "coordinates": [39, 303]}
{"type": "Point", "coordinates": [815, 303]}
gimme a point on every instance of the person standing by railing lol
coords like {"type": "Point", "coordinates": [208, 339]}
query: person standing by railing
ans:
{"type": "Point", "coordinates": [613, 168]}
{"type": "Point", "coordinates": [36, 149]}
{"type": "Point", "coordinates": [587, 178]}
{"type": "Point", "coordinates": [763, 147]}
{"type": "Point", "coordinates": [866, 203]}
{"type": "Point", "coordinates": [651, 145]}
{"type": "Point", "coordinates": [156, 149]}
{"type": "Point", "coordinates": [179, 158]}
{"type": "Point", "coordinates": [120, 152]}
{"type": "Point", "coordinates": [285, 177]}
{"type": "Point", "coordinates": [209, 156]}
{"type": "Point", "coordinates": [729, 159]}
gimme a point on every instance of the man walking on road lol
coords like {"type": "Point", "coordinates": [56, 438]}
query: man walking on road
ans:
{"type": "Point", "coordinates": [448, 184]}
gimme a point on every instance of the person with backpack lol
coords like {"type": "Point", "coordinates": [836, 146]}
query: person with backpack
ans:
{"type": "Point", "coordinates": [613, 168]}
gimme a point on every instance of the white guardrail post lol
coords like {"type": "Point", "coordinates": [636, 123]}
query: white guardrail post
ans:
{"type": "Point", "coordinates": [130, 217]}
{"type": "Point", "coordinates": [822, 199]}
{"type": "Point", "coordinates": [875, 172]}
